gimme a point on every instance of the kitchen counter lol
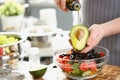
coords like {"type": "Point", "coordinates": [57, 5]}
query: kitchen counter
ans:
{"type": "Point", "coordinates": [109, 72]}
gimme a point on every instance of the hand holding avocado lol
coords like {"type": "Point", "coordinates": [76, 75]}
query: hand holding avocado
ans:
{"type": "Point", "coordinates": [96, 35]}
{"type": "Point", "coordinates": [84, 39]}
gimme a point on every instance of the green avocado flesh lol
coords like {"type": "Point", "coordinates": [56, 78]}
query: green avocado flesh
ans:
{"type": "Point", "coordinates": [79, 35]}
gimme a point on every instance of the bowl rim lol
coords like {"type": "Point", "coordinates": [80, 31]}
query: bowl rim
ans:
{"type": "Point", "coordinates": [107, 54]}
{"type": "Point", "coordinates": [23, 37]}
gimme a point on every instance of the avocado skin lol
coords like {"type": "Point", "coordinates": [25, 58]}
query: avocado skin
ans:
{"type": "Point", "coordinates": [79, 44]}
{"type": "Point", "coordinates": [38, 74]}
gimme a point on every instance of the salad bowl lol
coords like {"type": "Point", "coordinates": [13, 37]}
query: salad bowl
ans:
{"type": "Point", "coordinates": [81, 66]}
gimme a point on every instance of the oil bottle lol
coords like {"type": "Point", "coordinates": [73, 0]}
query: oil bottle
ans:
{"type": "Point", "coordinates": [73, 5]}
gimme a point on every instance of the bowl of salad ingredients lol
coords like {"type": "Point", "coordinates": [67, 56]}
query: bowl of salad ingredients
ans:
{"type": "Point", "coordinates": [78, 65]}
{"type": "Point", "coordinates": [10, 47]}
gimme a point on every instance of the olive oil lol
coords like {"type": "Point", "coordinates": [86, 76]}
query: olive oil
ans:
{"type": "Point", "coordinates": [76, 17]}
{"type": "Point", "coordinates": [73, 5]}
{"type": "Point", "coordinates": [78, 14]}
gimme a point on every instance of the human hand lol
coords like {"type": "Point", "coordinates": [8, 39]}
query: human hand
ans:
{"type": "Point", "coordinates": [61, 4]}
{"type": "Point", "coordinates": [96, 34]}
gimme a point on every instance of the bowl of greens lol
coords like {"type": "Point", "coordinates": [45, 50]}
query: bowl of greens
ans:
{"type": "Point", "coordinates": [10, 47]}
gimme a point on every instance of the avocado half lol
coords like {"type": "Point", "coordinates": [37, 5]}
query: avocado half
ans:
{"type": "Point", "coordinates": [79, 35]}
{"type": "Point", "coordinates": [38, 72]}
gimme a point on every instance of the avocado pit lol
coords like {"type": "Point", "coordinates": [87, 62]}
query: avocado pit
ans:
{"type": "Point", "coordinates": [79, 34]}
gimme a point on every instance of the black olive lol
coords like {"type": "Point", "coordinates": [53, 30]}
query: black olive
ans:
{"type": "Point", "coordinates": [72, 57]}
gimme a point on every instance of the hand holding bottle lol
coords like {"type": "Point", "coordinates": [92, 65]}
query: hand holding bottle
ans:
{"type": "Point", "coordinates": [61, 4]}
{"type": "Point", "coordinates": [66, 5]}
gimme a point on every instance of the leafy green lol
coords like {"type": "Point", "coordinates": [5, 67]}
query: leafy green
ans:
{"type": "Point", "coordinates": [76, 71]}
{"type": "Point", "coordinates": [7, 39]}
{"type": "Point", "coordinates": [3, 39]}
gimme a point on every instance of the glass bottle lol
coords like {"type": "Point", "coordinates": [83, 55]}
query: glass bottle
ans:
{"type": "Point", "coordinates": [73, 5]}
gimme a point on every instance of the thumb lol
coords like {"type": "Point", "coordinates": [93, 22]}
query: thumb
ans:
{"type": "Point", "coordinates": [91, 38]}
{"type": "Point", "coordinates": [90, 42]}
{"type": "Point", "coordinates": [89, 45]}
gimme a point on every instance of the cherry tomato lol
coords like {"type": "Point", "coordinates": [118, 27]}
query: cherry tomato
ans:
{"type": "Point", "coordinates": [67, 67]}
{"type": "Point", "coordinates": [63, 60]}
{"type": "Point", "coordinates": [84, 67]}
{"type": "Point", "coordinates": [93, 66]}
{"type": "Point", "coordinates": [1, 51]}
{"type": "Point", "coordinates": [102, 54]}
{"type": "Point", "coordinates": [88, 66]}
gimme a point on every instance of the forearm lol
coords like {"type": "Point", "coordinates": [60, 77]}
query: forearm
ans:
{"type": "Point", "coordinates": [112, 27]}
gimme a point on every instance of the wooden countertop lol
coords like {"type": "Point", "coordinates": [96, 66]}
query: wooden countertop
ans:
{"type": "Point", "coordinates": [109, 72]}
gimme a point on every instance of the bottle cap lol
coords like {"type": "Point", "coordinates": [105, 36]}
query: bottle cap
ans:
{"type": "Point", "coordinates": [76, 6]}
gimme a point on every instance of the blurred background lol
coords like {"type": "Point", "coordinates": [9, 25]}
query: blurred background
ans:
{"type": "Point", "coordinates": [34, 6]}
{"type": "Point", "coordinates": [47, 24]}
